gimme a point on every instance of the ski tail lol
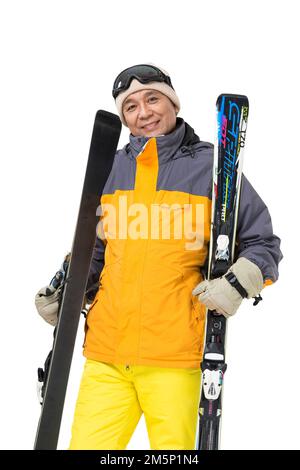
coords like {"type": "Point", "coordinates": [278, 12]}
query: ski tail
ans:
{"type": "Point", "coordinates": [105, 136]}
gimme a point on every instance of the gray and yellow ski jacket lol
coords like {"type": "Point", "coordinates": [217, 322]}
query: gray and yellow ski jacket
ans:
{"type": "Point", "coordinates": [144, 311]}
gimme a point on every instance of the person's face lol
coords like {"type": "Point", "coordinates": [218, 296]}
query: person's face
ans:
{"type": "Point", "coordinates": [149, 113]}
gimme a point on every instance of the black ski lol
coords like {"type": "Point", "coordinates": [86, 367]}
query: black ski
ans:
{"type": "Point", "coordinates": [106, 132]}
{"type": "Point", "coordinates": [232, 117]}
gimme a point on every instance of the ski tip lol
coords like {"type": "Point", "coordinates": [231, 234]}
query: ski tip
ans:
{"type": "Point", "coordinates": [108, 118]}
{"type": "Point", "coordinates": [233, 97]}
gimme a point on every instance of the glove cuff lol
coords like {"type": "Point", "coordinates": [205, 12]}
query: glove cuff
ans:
{"type": "Point", "coordinates": [248, 275]}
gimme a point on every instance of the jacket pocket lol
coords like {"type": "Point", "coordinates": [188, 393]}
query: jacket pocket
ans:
{"type": "Point", "coordinates": [196, 307]}
{"type": "Point", "coordinates": [169, 212]}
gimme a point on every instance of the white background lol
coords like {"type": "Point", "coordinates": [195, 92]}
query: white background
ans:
{"type": "Point", "coordinates": [58, 63]}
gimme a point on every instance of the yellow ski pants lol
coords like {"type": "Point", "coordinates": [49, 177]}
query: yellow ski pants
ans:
{"type": "Point", "coordinates": [113, 397]}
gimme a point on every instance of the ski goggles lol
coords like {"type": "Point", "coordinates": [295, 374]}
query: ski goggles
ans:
{"type": "Point", "coordinates": [143, 73]}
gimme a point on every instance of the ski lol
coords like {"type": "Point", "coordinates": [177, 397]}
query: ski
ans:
{"type": "Point", "coordinates": [232, 117]}
{"type": "Point", "coordinates": [105, 137]}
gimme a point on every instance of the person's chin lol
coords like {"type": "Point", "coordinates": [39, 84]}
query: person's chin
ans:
{"type": "Point", "coordinates": [155, 133]}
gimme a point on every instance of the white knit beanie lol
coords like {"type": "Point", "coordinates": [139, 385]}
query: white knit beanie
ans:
{"type": "Point", "coordinates": [135, 86]}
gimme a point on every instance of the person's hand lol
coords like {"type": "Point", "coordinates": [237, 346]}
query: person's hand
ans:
{"type": "Point", "coordinates": [47, 299]}
{"type": "Point", "coordinates": [221, 295]}
{"type": "Point", "coordinates": [47, 303]}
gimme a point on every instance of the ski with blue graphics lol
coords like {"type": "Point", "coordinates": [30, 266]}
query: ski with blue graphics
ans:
{"type": "Point", "coordinates": [105, 137]}
{"type": "Point", "coordinates": [232, 118]}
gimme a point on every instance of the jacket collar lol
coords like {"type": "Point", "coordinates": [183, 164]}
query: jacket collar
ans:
{"type": "Point", "coordinates": [168, 145]}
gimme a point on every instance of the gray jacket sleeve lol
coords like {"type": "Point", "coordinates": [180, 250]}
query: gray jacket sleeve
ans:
{"type": "Point", "coordinates": [255, 238]}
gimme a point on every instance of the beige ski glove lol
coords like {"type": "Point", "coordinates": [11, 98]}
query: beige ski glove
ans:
{"type": "Point", "coordinates": [47, 299]}
{"type": "Point", "coordinates": [47, 303]}
{"type": "Point", "coordinates": [225, 294]}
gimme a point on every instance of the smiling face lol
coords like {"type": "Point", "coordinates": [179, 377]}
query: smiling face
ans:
{"type": "Point", "coordinates": [149, 113]}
